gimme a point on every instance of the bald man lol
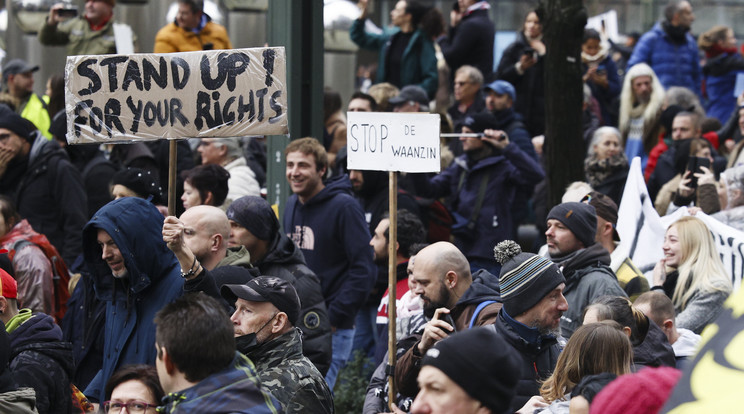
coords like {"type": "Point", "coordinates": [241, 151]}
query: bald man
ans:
{"type": "Point", "coordinates": [206, 231]}
{"type": "Point", "coordinates": [451, 297]}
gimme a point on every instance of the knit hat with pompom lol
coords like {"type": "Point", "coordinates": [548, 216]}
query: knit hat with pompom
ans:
{"type": "Point", "coordinates": [525, 277]}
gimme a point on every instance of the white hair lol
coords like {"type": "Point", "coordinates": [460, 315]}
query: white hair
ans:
{"type": "Point", "coordinates": [626, 96]}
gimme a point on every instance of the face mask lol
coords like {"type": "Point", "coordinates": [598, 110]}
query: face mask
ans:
{"type": "Point", "coordinates": [249, 341]}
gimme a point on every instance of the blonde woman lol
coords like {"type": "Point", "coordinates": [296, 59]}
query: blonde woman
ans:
{"type": "Point", "coordinates": [593, 349]}
{"type": "Point", "coordinates": [692, 274]}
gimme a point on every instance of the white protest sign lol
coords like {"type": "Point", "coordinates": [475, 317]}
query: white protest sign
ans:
{"type": "Point", "coordinates": [380, 141]}
{"type": "Point", "coordinates": [147, 96]}
{"type": "Point", "coordinates": [642, 231]}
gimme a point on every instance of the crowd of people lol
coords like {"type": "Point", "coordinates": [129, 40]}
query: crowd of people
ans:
{"type": "Point", "coordinates": [108, 303]}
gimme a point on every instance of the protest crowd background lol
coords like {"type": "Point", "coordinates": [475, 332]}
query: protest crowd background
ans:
{"type": "Point", "coordinates": [236, 300]}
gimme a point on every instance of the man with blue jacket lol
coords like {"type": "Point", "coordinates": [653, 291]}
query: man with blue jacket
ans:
{"type": "Point", "coordinates": [482, 184]}
{"type": "Point", "coordinates": [670, 49]}
{"type": "Point", "coordinates": [135, 274]}
{"type": "Point", "coordinates": [327, 224]}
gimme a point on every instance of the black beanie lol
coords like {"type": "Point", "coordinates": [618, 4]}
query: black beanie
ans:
{"type": "Point", "coordinates": [14, 122]}
{"type": "Point", "coordinates": [481, 363]}
{"type": "Point", "coordinates": [525, 278]}
{"type": "Point", "coordinates": [255, 214]}
{"type": "Point", "coordinates": [580, 218]}
{"type": "Point", "coordinates": [141, 182]}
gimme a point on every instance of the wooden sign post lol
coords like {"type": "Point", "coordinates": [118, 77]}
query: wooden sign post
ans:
{"type": "Point", "coordinates": [148, 96]}
{"type": "Point", "coordinates": [393, 142]}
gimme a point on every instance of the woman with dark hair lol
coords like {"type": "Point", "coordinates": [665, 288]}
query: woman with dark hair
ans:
{"type": "Point", "coordinates": [522, 66]}
{"type": "Point", "coordinates": [407, 55]}
{"type": "Point", "coordinates": [204, 185]}
{"type": "Point", "coordinates": [724, 64]}
{"type": "Point", "coordinates": [135, 387]}
{"type": "Point", "coordinates": [600, 74]}
{"type": "Point", "coordinates": [650, 344]}
{"type": "Point", "coordinates": [55, 94]}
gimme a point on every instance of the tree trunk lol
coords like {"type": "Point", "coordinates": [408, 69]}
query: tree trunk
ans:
{"type": "Point", "coordinates": [564, 149]}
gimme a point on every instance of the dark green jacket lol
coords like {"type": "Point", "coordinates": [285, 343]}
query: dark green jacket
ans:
{"type": "Point", "coordinates": [418, 64]}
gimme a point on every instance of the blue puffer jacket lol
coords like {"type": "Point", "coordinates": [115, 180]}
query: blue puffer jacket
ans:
{"type": "Point", "coordinates": [154, 280]}
{"type": "Point", "coordinates": [506, 170]}
{"type": "Point", "coordinates": [720, 74]}
{"type": "Point", "coordinates": [674, 64]}
{"type": "Point", "coordinates": [418, 65]}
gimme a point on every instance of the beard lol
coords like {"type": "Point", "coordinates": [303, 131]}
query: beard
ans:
{"type": "Point", "coordinates": [431, 305]}
{"type": "Point", "coordinates": [546, 330]}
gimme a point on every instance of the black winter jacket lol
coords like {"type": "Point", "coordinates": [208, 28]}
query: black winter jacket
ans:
{"type": "Point", "coordinates": [538, 361]}
{"type": "Point", "coordinates": [40, 360]}
{"type": "Point", "coordinates": [470, 43]}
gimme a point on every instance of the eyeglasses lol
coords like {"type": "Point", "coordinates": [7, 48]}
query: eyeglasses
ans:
{"type": "Point", "coordinates": [115, 407]}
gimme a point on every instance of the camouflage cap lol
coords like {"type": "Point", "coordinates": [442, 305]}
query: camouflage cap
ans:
{"type": "Point", "coordinates": [278, 292]}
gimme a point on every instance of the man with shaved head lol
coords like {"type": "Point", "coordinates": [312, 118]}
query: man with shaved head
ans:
{"type": "Point", "coordinates": [454, 300]}
{"type": "Point", "coordinates": [206, 231]}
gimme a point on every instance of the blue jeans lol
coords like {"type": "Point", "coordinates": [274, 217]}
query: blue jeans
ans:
{"type": "Point", "coordinates": [342, 341]}
{"type": "Point", "coordinates": [365, 330]}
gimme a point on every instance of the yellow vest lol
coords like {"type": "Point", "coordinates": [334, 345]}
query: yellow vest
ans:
{"type": "Point", "coordinates": [36, 112]}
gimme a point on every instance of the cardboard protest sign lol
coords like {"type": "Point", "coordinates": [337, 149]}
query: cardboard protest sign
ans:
{"type": "Point", "coordinates": [393, 141]}
{"type": "Point", "coordinates": [216, 93]}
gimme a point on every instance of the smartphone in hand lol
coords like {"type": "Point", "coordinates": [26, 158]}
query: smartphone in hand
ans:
{"type": "Point", "coordinates": [446, 317]}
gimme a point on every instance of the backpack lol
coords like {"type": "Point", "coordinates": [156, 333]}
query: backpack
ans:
{"type": "Point", "coordinates": [60, 273]}
{"type": "Point", "coordinates": [436, 217]}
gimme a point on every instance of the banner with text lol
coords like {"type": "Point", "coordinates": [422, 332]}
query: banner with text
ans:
{"type": "Point", "coordinates": [407, 142]}
{"type": "Point", "coordinates": [147, 96]}
{"type": "Point", "coordinates": [642, 231]}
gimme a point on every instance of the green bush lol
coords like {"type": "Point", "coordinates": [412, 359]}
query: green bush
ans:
{"type": "Point", "coordinates": [351, 385]}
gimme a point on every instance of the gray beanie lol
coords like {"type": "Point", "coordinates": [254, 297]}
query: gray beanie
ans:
{"type": "Point", "coordinates": [525, 278]}
{"type": "Point", "coordinates": [255, 214]}
{"type": "Point", "coordinates": [580, 218]}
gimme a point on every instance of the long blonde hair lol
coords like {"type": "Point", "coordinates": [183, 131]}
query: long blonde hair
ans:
{"type": "Point", "coordinates": [593, 349]}
{"type": "Point", "coordinates": [626, 96]}
{"type": "Point", "coordinates": [701, 269]}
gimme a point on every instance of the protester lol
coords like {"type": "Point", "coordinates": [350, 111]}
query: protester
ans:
{"type": "Point", "coordinates": [730, 196]}
{"type": "Point", "coordinates": [136, 182]}
{"type": "Point", "coordinates": [606, 166]}
{"type": "Point", "coordinates": [470, 38]}
{"type": "Point", "coordinates": [468, 97]}
{"type": "Point", "coordinates": [471, 372]}
{"type": "Point", "coordinates": [38, 357]}
{"type": "Point", "coordinates": [660, 309]}
{"type": "Point", "coordinates": [205, 185]}
{"type": "Point", "coordinates": [600, 74]}
{"type": "Point", "coordinates": [13, 399]}
{"type": "Point", "coordinates": [266, 311]}
{"type": "Point", "coordinates": [18, 81]}
{"type": "Point", "coordinates": [650, 345]}
{"type": "Point", "coordinates": [135, 274]}
{"type": "Point", "coordinates": [32, 269]}
{"type": "Point", "coordinates": [522, 65]}
{"type": "Point", "coordinates": [227, 152]}
{"type": "Point", "coordinates": [135, 387]}
{"type": "Point", "coordinates": [91, 33]}
{"type": "Point", "coordinates": [453, 300]}
{"type": "Point", "coordinates": [593, 349]}
{"type": "Point", "coordinates": [640, 110]}
{"type": "Point", "coordinates": [572, 228]}
{"type": "Point", "coordinates": [46, 187]}
{"type": "Point", "coordinates": [191, 31]}
{"type": "Point", "coordinates": [406, 53]}
{"type": "Point", "coordinates": [206, 375]}
{"type": "Point", "coordinates": [691, 274]}
{"type": "Point", "coordinates": [720, 71]}
{"type": "Point", "coordinates": [670, 49]}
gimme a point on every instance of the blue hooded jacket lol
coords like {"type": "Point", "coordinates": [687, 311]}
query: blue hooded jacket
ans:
{"type": "Point", "coordinates": [153, 280]}
{"type": "Point", "coordinates": [332, 233]}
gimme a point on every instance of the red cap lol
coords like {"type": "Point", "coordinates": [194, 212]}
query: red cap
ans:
{"type": "Point", "coordinates": [8, 286]}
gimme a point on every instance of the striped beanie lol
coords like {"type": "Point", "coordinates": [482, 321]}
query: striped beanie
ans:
{"type": "Point", "coordinates": [525, 277]}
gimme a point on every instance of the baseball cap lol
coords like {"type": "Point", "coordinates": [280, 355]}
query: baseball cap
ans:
{"type": "Point", "coordinates": [17, 66]}
{"type": "Point", "coordinates": [502, 87]}
{"type": "Point", "coordinates": [278, 292]}
{"type": "Point", "coordinates": [605, 208]}
{"type": "Point", "coordinates": [411, 93]}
